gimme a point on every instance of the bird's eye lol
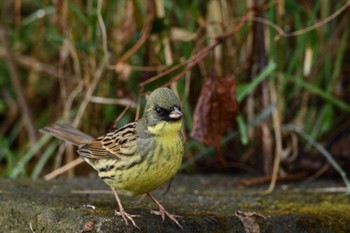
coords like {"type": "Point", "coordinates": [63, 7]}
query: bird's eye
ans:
{"type": "Point", "coordinates": [158, 109]}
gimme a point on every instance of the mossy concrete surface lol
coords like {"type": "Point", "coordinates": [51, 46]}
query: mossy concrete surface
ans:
{"type": "Point", "coordinates": [208, 203]}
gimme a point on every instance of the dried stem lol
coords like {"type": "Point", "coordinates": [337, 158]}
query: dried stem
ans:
{"type": "Point", "coordinates": [265, 179]}
{"type": "Point", "coordinates": [89, 93]}
{"type": "Point", "coordinates": [103, 30]}
{"type": "Point", "coordinates": [258, 61]}
{"type": "Point", "coordinates": [122, 102]}
{"type": "Point", "coordinates": [32, 64]}
{"type": "Point", "coordinates": [278, 139]}
{"type": "Point", "coordinates": [282, 33]}
{"type": "Point", "coordinates": [192, 61]}
{"type": "Point", "coordinates": [15, 79]}
{"type": "Point", "coordinates": [63, 169]}
{"type": "Point", "coordinates": [144, 36]}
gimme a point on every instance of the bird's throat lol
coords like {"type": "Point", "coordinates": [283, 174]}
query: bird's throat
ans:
{"type": "Point", "coordinates": [166, 129]}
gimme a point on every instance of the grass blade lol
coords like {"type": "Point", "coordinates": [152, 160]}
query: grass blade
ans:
{"type": "Point", "coordinates": [323, 151]}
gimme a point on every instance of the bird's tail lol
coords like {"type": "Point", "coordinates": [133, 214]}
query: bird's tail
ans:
{"type": "Point", "coordinates": [67, 133]}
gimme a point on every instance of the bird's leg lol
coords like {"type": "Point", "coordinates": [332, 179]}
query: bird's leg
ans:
{"type": "Point", "coordinates": [127, 217]}
{"type": "Point", "coordinates": [162, 212]}
{"type": "Point", "coordinates": [141, 198]}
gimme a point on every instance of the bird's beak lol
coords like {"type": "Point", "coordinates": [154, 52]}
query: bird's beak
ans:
{"type": "Point", "coordinates": [175, 114]}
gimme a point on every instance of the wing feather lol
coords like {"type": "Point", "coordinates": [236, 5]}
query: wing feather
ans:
{"type": "Point", "coordinates": [116, 144]}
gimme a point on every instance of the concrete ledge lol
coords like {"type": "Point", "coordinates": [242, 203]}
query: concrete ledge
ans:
{"type": "Point", "coordinates": [208, 203]}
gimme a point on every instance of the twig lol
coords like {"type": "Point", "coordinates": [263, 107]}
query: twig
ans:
{"type": "Point", "coordinates": [192, 61]}
{"type": "Point", "coordinates": [148, 68]}
{"type": "Point", "coordinates": [265, 179]}
{"type": "Point", "coordinates": [71, 97]}
{"type": "Point", "coordinates": [33, 64]}
{"type": "Point", "coordinates": [282, 33]}
{"type": "Point", "coordinates": [146, 30]}
{"type": "Point", "coordinates": [85, 102]}
{"type": "Point", "coordinates": [276, 120]}
{"type": "Point", "coordinates": [103, 30]}
{"type": "Point", "coordinates": [123, 102]}
{"type": "Point", "coordinates": [15, 78]}
{"type": "Point", "coordinates": [138, 106]}
{"type": "Point", "coordinates": [198, 57]}
{"type": "Point", "coordinates": [203, 53]}
{"type": "Point", "coordinates": [319, 24]}
{"type": "Point", "coordinates": [89, 92]}
{"type": "Point", "coordinates": [120, 116]}
{"type": "Point", "coordinates": [165, 72]}
{"type": "Point", "coordinates": [319, 173]}
{"type": "Point", "coordinates": [63, 169]}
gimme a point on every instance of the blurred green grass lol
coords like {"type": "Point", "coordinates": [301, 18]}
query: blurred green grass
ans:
{"type": "Point", "coordinates": [59, 48]}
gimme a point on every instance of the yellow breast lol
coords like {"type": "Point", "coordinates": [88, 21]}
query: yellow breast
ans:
{"type": "Point", "coordinates": [149, 171]}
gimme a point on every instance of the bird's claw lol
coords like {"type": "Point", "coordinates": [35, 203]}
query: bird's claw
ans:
{"type": "Point", "coordinates": [163, 213]}
{"type": "Point", "coordinates": [128, 217]}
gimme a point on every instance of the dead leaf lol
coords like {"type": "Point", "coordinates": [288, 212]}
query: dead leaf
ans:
{"type": "Point", "coordinates": [249, 222]}
{"type": "Point", "coordinates": [124, 70]}
{"type": "Point", "coordinates": [215, 111]}
{"type": "Point", "coordinates": [88, 227]}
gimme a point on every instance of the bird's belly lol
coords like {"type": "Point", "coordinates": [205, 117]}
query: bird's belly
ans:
{"type": "Point", "coordinates": [147, 174]}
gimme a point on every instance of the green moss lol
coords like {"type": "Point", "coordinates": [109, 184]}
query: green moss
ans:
{"type": "Point", "coordinates": [324, 214]}
{"type": "Point", "coordinates": [312, 210]}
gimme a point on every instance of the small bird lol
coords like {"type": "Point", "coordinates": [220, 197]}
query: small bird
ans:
{"type": "Point", "coordinates": [139, 157]}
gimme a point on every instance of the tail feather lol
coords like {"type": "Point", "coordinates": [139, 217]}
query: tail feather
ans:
{"type": "Point", "coordinates": [67, 133]}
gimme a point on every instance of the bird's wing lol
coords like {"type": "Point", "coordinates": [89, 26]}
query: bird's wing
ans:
{"type": "Point", "coordinates": [117, 144]}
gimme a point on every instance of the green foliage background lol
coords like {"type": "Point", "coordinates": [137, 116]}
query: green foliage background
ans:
{"type": "Point", "coordinates": [60, 50]}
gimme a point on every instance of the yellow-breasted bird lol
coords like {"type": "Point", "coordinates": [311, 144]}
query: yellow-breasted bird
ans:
{"type": "Point", "coordinates": [139, 157]}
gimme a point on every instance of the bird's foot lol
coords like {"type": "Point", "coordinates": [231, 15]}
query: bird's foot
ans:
{"type": "Point", "coordinates": [163, 213]}
{"type": "Point", "coordinates": [128, 217]}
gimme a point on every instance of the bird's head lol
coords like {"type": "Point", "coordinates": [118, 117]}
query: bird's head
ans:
{"type": "Point", "coordinates": [163, 111]}
{"type": "Point", "coordinates": [162, 105]}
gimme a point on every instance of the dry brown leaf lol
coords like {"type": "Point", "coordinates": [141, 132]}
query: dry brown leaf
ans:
{"type": "Point", "coordinates": [124, 70]}
{"type": "Point", "coordinates": [249, 222]}
{"type": "Point", "coordinates": [215, 111]}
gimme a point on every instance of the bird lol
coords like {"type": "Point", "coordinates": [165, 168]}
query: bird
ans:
{"type": "Point", "coordinates": [138, 157]}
